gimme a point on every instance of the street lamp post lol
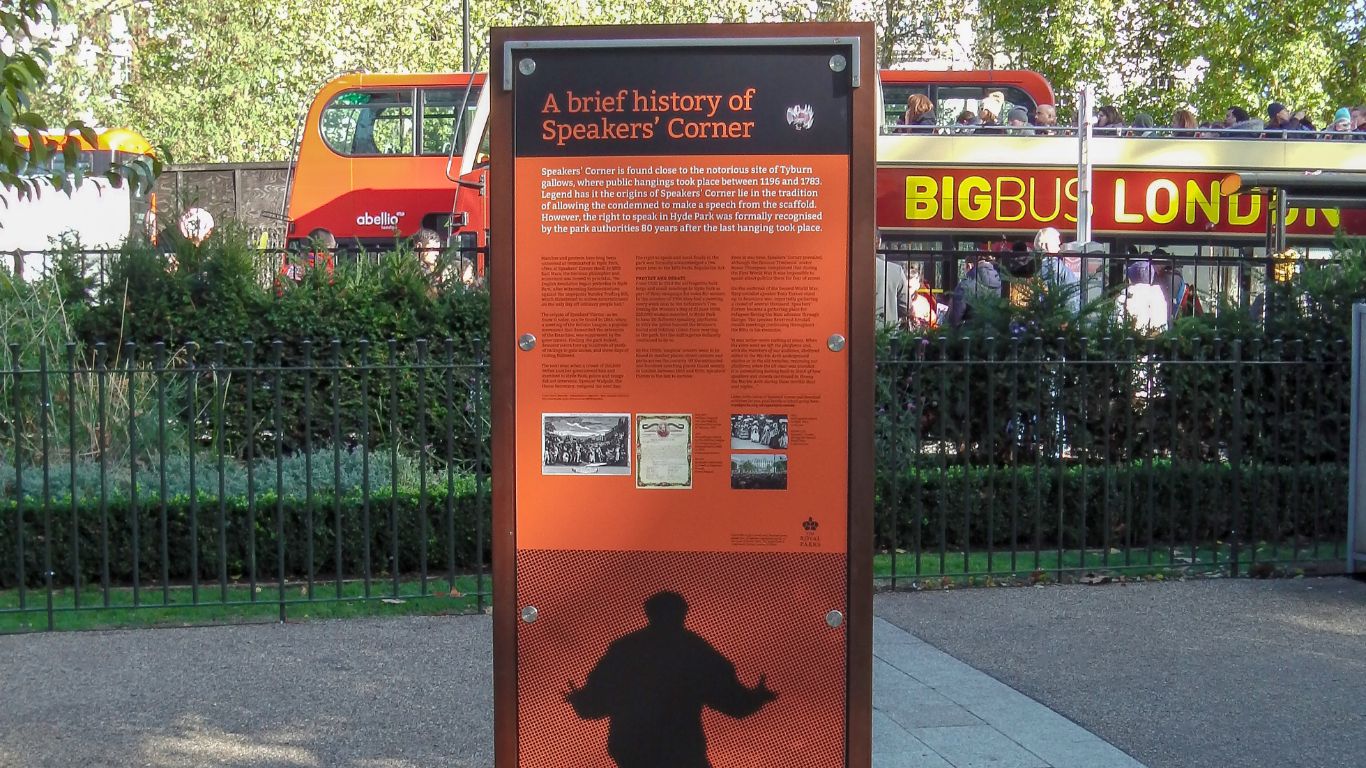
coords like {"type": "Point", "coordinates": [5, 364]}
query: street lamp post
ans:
{"type": "Point", "coordinates": [465, 35]}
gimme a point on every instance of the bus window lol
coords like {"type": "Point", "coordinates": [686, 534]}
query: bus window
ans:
{"type": "Point", "coordinates": [439, 118]}
{"type": "Point", "coordinates": [369, 123]}
{"type": "Point", "coordinates": [953, 99]}
{"type": "Point", "coordinates": [894, 98]}
{"type": "Point", "coordinates": [55, 163]}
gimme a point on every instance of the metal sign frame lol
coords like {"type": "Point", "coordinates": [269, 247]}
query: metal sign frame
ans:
{"type": "Point", "coordinates": [859, 352]}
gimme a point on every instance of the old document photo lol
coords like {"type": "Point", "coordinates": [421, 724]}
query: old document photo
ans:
{"type": "Point", "coordinates": [663, 450]}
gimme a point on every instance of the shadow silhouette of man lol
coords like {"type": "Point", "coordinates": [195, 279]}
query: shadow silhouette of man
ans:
{"type": "Point", "coordinates": [653, 684]}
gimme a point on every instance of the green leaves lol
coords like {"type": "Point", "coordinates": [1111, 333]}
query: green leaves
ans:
{"type": "Point", "coordinates": [1154, 57]}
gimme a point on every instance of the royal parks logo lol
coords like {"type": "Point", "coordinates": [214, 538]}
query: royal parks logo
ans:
{"type": "Point", "coordinates": [810, 538]}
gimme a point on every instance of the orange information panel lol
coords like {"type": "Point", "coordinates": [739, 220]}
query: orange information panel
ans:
{"type": "Point", "coordinates": [679, 418]}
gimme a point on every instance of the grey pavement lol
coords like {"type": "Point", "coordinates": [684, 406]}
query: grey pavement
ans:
{"type": "Point", "coordinates": [402, 693]}
{"type": "Point", "coordinates": [1197, 674]}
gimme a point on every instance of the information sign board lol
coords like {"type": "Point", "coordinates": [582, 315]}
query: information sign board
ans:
{"type": "Point", "coordinates": [682, 291]}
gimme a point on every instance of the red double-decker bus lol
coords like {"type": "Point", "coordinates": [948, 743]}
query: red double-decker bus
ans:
{"type": "Point", "coordinates": [381, 156]}
{"type": "Point", "coordinates": [939, 195]}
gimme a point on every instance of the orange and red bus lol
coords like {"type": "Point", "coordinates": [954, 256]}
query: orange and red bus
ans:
{"type": "Point", "coordinates": [383, 155]}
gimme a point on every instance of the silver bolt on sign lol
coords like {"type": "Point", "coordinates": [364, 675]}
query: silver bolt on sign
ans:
{"type": "Point", "coordinates": [835, 342]}
{"type": "Point", "coordinates": [526, 66]}
{"type": "Point", "coordinates": [527, 342]}
{"type": "Point", "coordinates": [838, 63]}
{"type": "Point", "coordinates": [529, 613]}
{"type": "Point", "coordinates": [834, 619]}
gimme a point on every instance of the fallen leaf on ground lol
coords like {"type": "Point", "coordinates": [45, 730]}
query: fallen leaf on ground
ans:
{"type": "Point", "coordinates": [392, 600]}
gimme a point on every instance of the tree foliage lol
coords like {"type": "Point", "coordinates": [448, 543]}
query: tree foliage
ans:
{"type": "Point", "coordinates": [1211, 54]}
{"type": "Point", "coordinates": [26, 162]}
{"type": "Point", "coordinates": [219, 80]}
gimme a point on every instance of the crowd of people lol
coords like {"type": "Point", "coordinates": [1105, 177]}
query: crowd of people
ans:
{"type": "Point", "coordinates": [994, 114]}
{"type": "Point", "coordinates": [1154, 291]}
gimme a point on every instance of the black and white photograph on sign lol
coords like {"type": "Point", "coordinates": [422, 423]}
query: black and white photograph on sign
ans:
{"type": "Point", "coordinates": [585, 444]}
{"type": "Point", "coordinates": [758, 471]}
{"type": "Point", "coordinates": [757, 432]}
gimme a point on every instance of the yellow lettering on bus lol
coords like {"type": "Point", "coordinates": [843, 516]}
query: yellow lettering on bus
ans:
{"type": "Point", "coordinates": [1070, 192]}
{"type": "Point", "coordinates": [920, 198]}
{"type": "Point", "coordinates": [1331, 216]}
{"type": "Point", "coordinates": [974, 207]}
{"type": "Point", "coordinates": [1017, 198]}
{"type": "Point", "coordinates": [1037, 214]}
{"type": "Point", "coordinates": [1209, 206]}
{"type": "Point", "coordinates": [946, 210]}
{"type": "Point", "coordinates": [1122, 216]}
{"type": "Point", "coordinates": [1238, 219]}
{"type": "Point", "coordinates": [1150, 202]}
{"type": "Point", "coordinates": [1291, 216]}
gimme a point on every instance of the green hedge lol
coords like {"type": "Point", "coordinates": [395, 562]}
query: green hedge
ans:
{"type": "Point", "coordinates": [394, 520]}
{"type": "Point", "coordinates": [1093, 506]}
{"type": "Point", "coordinates": [441, 516]}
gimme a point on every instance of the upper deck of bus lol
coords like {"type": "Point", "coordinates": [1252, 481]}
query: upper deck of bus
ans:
{"type": "Point", "coordinates": [982, 149]}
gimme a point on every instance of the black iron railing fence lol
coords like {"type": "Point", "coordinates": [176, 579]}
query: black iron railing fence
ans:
{"type": "Point", "coordinates": [1076, 456]}
{"type": "Point", "coordinates": [233, 478]}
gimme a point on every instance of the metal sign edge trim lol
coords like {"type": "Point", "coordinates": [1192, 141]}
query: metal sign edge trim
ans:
{"type": "Point", "coordinates": [684, 42]}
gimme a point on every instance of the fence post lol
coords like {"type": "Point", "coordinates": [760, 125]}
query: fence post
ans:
{"type": "Point", "coordinates": [277, 426]}
{"type": "Point", "coordinates": [16, 421]}
{"type": "Point", "coordinates": [1235, 457]}
{"type": "Point", "coordinates": [45, 416]}
{"type": "Point", "coordinates": [481, 373]}
{"type": "Point", "coordinates": [1356, 506]}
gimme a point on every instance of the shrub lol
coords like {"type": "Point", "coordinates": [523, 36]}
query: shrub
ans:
{"type": "Point", "coordinates": [393, 520]}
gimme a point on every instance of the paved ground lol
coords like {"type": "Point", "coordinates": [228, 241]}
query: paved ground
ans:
{"type": "Point", "coordinates": [932, 711]}
{"type": "Point", "coordinates": [404, 693]}
{"type": "Point", "coordinates": [1190, 675]}
{"type": "Point", "coordinates": [399, 693]}
{"type": "Point", "coordinates": [1199, 674]}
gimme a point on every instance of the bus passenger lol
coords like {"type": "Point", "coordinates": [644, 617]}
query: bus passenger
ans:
{"type": "Point", "coordinates": [1046, 120]}
{"type": "Point", "coordinates": [1240, 125]}
{"type": "Point", "coordinates": [1017, 122]}
{"type": "Point", "coordinates": [989, 110]}
{"type": "Point", "coordinates": [919, 114]}
{"type": "Point", "coordinates": [1143, 125]}
{"type": "Point", "coordinates": [1341, 127]}
{"type": "Point", "coordinates": [1184, 123]}
{"type": "Point", "coordinates": [1109, 121]}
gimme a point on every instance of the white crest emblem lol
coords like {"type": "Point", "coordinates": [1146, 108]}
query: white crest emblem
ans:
{"type": "Point", "coordinates": [801, 116]}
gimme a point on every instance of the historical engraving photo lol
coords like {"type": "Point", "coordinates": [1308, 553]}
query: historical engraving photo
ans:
{"type": "Point", "coordinates": [585, 444]}
{"type": "Point", "coordinates": [758, 432]}
{"type": "Point", "coordinates": [758, 471]}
